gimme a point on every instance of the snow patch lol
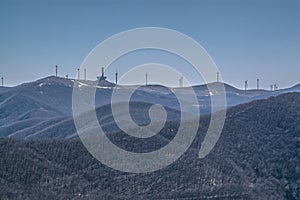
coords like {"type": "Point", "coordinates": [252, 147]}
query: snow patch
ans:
{"type": "Point", "coordinates": [82, 84]}
{"type": "Point", "coordinates": [103, 87]}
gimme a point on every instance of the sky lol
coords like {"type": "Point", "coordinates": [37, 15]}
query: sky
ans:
{"type": "Point", "coordinates": [247, 39]}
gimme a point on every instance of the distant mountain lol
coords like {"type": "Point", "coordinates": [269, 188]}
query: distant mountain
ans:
{"type": "Point", "coordinates": [4, 89]}
{"type": "Point", "coordinates": [63, 127]}
{"type": "Point", "coordinates": [31, 108]}
{"type": "Point", "coordinates": [256, 157]}
{"type": "Point", "coordinates": [45, 98]}
{"type": "Point", "coordinates": [295, 88]}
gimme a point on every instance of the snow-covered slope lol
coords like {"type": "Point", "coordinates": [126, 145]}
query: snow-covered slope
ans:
{"type": "Point", "coordinates": [36, 107]}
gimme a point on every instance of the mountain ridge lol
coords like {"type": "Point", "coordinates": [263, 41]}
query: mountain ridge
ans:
{"type": "Point", "coordinates": [51, 97]}
{"type": "Point", "coordinates": [53, 79]}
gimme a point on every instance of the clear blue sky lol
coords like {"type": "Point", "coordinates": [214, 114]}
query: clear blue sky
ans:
{"type": "Point", "coordinates": [247, 39]}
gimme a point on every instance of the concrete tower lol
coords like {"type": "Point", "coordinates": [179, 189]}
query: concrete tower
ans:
{"type": "Point", "coordinates": [102, 77]}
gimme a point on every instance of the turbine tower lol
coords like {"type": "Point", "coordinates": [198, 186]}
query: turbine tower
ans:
{"type": "Point", "coordinates": [78, 73]}
{"type": "Point", "coordinates": [257, 83]}
{"type": "Point", "coordinates": [2, 80]}
{"type": "Point", "coordinates": [56, 70]}
{"type": "Point", "coordinates": [85, 74]}
{"type": "Point", "coordinates": [116, 74]}
{"type": "Point", "coordinates": [181, 82]}
{"type": "Point", "coordinates": [146, 78]}
{"type": "Point", "coordinates": [246, 85]}
{"type": "Point", "coordinates": [275, 87]}
{"type": "Point", "coordinates": [218, 77]}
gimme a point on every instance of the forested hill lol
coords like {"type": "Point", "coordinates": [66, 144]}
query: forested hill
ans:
{"type": "Point", "coordinates": [257, 157]}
